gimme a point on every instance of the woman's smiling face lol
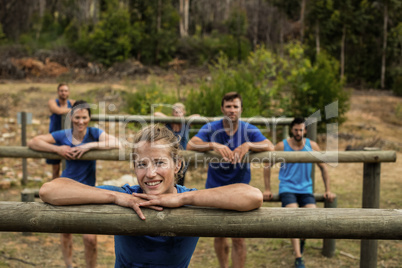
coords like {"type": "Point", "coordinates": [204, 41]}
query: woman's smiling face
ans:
{"type": "Point", "coordinates": [155, 168]}
{"type": "Point", "coordinates": [80, 119]}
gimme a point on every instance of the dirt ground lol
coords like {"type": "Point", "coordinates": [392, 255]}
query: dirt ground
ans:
{"type": "Point", "coordinates": [374, 120]}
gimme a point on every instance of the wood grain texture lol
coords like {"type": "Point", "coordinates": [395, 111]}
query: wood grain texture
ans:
{"type": "Point", "coordinates": [187, 221]}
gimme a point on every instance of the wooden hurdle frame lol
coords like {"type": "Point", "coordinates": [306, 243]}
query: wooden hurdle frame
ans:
{"type": "Point", "coordinates": [371, 178]}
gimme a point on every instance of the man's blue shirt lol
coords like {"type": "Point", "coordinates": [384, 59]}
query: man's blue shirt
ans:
{"type": "Point", "coordinates": [220, 174]}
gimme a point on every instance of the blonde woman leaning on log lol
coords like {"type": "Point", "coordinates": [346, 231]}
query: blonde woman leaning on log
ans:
{"type": "Point", "coordinates": [156, 162]}
{"type": "Point", "coordinates": [72, 144]}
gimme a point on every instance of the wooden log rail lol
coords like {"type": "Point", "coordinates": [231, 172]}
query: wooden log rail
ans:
{"type": "Point", "coordinates": [197, 157]}
{"type": "Point", "coordinates": [190, 221]}
{"type": "Point", "coordinates": [371, 179]}
{"type": "Point", "coordinates": [192, 120]}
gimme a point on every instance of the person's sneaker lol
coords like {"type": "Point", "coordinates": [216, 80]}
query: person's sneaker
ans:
{"type": "Point", "coordinates": [302, 243]}
{"type": "Point", "coordinates": [299, 263]}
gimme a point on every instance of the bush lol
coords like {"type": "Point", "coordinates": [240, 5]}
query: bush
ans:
{"type": "Point", "coordinates": [199, 49]}
{"type": "Point", "coordinates": [109, 41]}
{"type": "Point", "coordinates": [251, 79]}
{"type": "Point", "coordinates": [274, 86]}
{"type": "Point", "coordinates": [312, 87]}
{"type": "Point", "coordinates": [146, 99]}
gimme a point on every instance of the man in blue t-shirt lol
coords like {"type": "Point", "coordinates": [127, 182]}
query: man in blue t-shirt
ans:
{"type": "Point", "coordinates": [58, 107]}
{"type": "Point", "coordinates": [295, 186]}
{"type": "Point", "coordinates": [232, 139]}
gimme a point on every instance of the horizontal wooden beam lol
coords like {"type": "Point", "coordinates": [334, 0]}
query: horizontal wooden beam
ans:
{"type": "Point", "coordinates": [125, 119]}
{"type": "Point", "coordinates": [264, 222]}
{"type": "Point", "coordinates": [197, 158]}
{"type": "Point", "coordinates": [275, 197]}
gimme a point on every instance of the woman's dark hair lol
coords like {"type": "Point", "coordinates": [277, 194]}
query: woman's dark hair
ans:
{"type": "Point", "coordinates": [78, 105]}
{"type": "Point", "coordinates": [81, 104]}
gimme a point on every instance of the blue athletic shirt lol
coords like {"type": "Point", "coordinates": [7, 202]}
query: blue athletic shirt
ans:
{"type": "Point", "coordinates": [55, 119]}
{"type": "Point", "coordinates": [220, 174]}
{"type": "Point", "coordinates": [182, 134]}
{"type": "Point", "coordinates": [83, 171]}
{"type": "Point", "coordinates": [296, 177]}
{"type": "Point", "coordinates": [152, 251]}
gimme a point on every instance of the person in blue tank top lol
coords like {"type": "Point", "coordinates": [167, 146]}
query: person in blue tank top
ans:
{"type": "Point", "coordinates": [232, 139]}
{"type": "Point", "coordinates": [58, 107]}
{"type": "Point", "coordinates": [295, 183]}
{"type": "Point", "coordinates": [180, 130]}
{"type": "Point", "coordinates": [72, 144]}
{"type": "Point", "coordinates": [157, 162]}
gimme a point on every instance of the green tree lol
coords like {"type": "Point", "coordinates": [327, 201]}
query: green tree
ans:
{"type": "Point", "coordinates": [251, 78]}
{"type": "Point", "coordinates": [308, 87]}
{"type": "Point", "coordinates": [110, 40]}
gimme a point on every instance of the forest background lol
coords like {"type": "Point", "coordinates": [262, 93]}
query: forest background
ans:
{"type": "Point", "coordinates": [288, 57]}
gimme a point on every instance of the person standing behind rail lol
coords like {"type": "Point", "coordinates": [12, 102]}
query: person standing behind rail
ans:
{"type": "Point", "coordinates": [232, 139]}
{"type": "Point", "coordinates": [180, 130]}
{"type": "Point", "coordinates": [58, 107]}
{"type": "Point", "coordinates": [157, 161]}
{"type": "Point", "coordinates": [296, 186]}
{"type": "Point", "coordinates": [72, 144]}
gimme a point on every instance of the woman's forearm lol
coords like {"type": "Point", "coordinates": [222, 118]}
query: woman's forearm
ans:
{"type": "Point", "coordinates": [240, 197]}
{"type": "Point", "coordinates": [65, 191]}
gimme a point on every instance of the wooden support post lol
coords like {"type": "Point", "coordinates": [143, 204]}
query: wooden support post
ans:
{"type": "Point", "coordinates": [27, 196]}
{"type": "Point", "coordinates": [274, 133]}
{"type": "Point", "coordinates": [312, 135]}
{"type": "Point", "coordinates": [371, 199]}
{"type": "Point", "coordinates": [24, 143]}
{"type": "Point", "coordinates": [63, 126]}
{"type": "Point", "coordinates": [329, 245]}
{"type": "Point", "coordinates": [285, 133]}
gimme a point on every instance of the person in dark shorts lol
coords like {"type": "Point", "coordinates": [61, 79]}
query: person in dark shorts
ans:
{"type": "Point", "coordinates": [157, 160]}
{"type": "Point", "coordinates": [231, 138]}
{"type": "Point", "coordinates": [71, 144]}
{"type": "Point", "coordinates": [295, 186]}
{"type": "Point", "coordinates": [58, 107]}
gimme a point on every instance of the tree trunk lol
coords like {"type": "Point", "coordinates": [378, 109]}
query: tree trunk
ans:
{"type": "Point", "coordinates": [42, 8]}
{"type": "Point", "coordinates": [343, 52]}
{"type": "Point", "coordinates": [255, 28]}
{"type": "Point", "coordinates": [95, 11]}
{"type": "Point", "coordinates": [158, 27]}
{"type": "Point", "coordinates": [384, 46]}
{"type": "Point", "coordinates": [186, 15]}
{"type": "Point", "coordinates": [181, 23]}
{"type": "Point", "coordinates": [317, 37]}
{"type": "Point", "coordinates": [281, 39]}
{"type": "Point", "coordinates": [302, 11]}
{"type": "Point", "coordinates": [183, 8]}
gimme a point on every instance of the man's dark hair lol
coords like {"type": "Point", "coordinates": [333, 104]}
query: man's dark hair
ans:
{"type": "Point", "coordinates": [231, 96]}
{"type": "Point", "coordinates": [297, 121]}
{"type": "Point", "coordinates": [60, 85]}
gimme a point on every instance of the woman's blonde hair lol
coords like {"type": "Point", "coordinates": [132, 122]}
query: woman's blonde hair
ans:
{"type": "Point", "coordinates": [165, 138]}
{"type": "Point", "coordinates": [180, 106]}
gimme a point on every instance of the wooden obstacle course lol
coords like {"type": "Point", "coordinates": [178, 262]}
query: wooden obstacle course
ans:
{"type": "Point", "coordinates": [339, 223]}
